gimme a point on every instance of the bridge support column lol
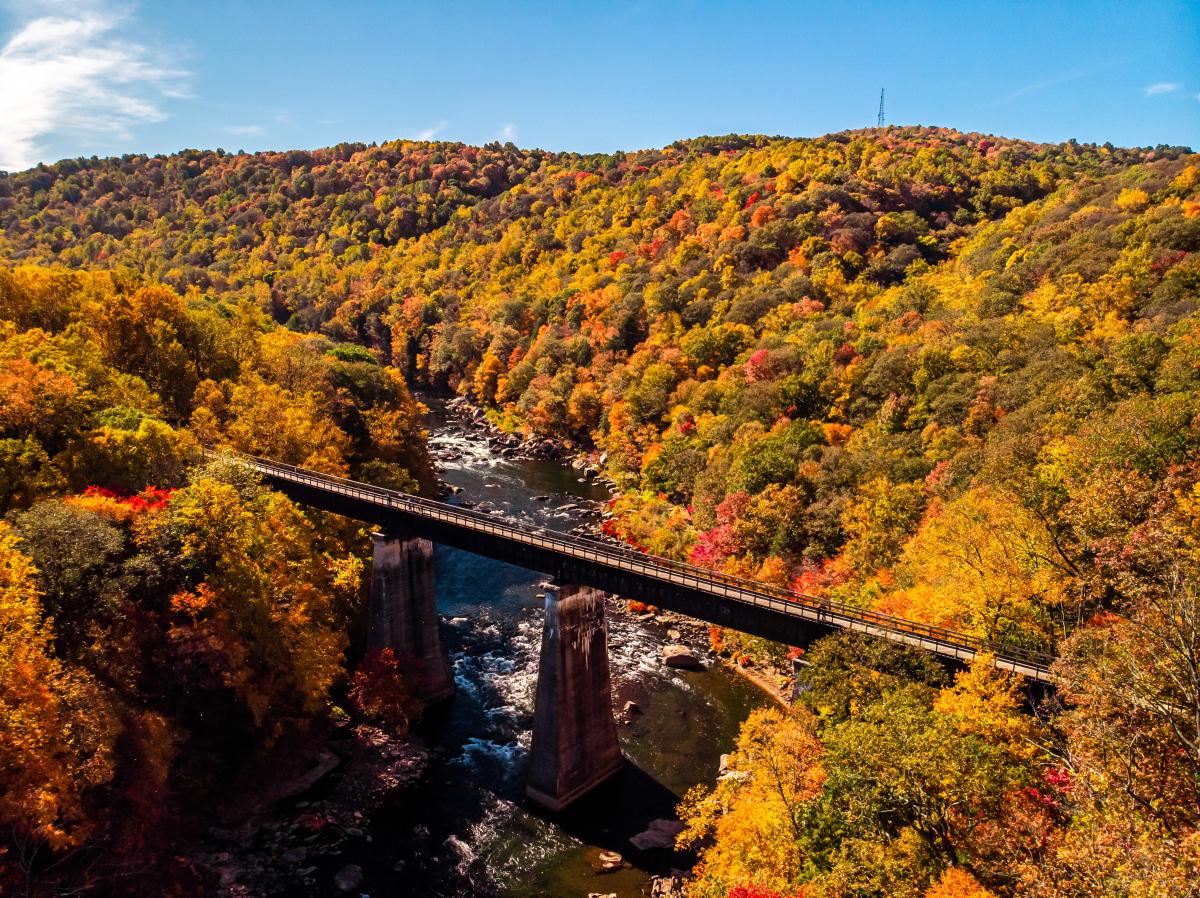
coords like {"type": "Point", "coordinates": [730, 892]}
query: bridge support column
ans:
{"type": "Point", "coordinates": [403, 613]}
{"type": "Point", "coordinates": [575, 744]}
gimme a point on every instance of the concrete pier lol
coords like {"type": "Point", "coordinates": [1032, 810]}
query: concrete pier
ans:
{"type": "Point", "coordinates": [575, 744]}
{"type": "Point", "coordinates": [403, 613]}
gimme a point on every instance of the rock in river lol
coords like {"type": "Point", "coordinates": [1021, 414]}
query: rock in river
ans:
{"type": "Point", "coordinates": [606, 861]}
{"type": "Point", "coordinates": [668, 886]}
{"type": "Point", "coordinates": [660, 834]}
{"type": "Point", "coordinates": [681, 656]}
{"type": "Point", "coordinates": [349, 878]}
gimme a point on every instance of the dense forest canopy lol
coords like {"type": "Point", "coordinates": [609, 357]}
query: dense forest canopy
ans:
{"type": "Point", "coordinates": [950, 376]}
{"type": "Point", "coordinates": [814, 362]}
{"type": "Point", "coordinates": [163, 617]}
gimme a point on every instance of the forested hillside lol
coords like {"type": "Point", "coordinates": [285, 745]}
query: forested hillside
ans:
{"type": "Point", "coordinates": [953, 377]}
{"type": "Point", "coordinates": [819, 362]}
{"type": "Point", "coordinates": [163, 618]}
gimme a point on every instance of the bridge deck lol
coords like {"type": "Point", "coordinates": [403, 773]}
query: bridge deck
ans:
{"type": "Point", "coordinates": [698, 592]}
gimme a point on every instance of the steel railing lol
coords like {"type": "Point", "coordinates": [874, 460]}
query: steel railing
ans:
{"type": "Point", "coordinates": [942, 640]}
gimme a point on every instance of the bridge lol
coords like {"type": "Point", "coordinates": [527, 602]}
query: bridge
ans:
{"type": "Point", "coordinates": [574, 738]}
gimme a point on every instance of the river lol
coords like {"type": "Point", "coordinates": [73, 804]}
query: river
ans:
{"type": "Point", "coordinates": [467, 829]}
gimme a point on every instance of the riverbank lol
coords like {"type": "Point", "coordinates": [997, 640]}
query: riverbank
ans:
{"type": "Point", "coordinates": [680, 629]}
{"type": "Point", "coordinates": [768, 683]}
{"type": "Point", "coordinates": [293, 822]}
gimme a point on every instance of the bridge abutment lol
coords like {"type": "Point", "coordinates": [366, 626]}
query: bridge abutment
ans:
{"type": "Point", "coordinates": [575, 745]}
{"type": "Point", "coordinates": [403, 613]}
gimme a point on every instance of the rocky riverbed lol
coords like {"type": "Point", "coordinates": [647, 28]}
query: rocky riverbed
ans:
{"type": "Point", "coordinates": [292, 825]}
{"type": "Point", "coordinates": [669, 646]}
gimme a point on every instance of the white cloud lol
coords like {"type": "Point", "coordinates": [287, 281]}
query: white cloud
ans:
{"type": "Point", "coordinates": [433, 130]}
{"type": "Point", "coordinates": [242, 130]}
{"type": "Point", "coordinates": [508, 132]}
{"type": "Point", "coordinates": [1042, 84]}
{"type": "Point", "coordinates": [68, 73]}
{"type": "Point", "coordinates": [1161, 87]}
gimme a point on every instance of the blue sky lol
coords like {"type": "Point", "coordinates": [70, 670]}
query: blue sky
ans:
{"type": "Point", "coordinates": [103, 77]}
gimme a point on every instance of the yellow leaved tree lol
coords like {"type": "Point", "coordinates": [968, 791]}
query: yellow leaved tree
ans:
{"type": "Point", "coordinates": [983, 565]}
{"type": "Point", "coordinates": [756, 815]}
{"type": "Point", "coordinates": [56, 725]}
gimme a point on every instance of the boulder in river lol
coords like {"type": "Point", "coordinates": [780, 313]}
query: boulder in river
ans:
{"type": "Point", "coordinates": [659, 834]}
{"type": "Point", "coordinates": [349, 878]}
{"type": "Point", "coordinates": [606, 861]}
{"type": "Point", "coordinates": [681, 656]}
{"type": "Point", "coordinates": [668, 886]}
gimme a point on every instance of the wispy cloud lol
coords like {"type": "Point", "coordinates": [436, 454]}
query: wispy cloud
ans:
{"type": "Point", "coordinates": [66, 71]}
{"type": "Point", "coordinates": [433, 130]}
{"type": "Point", "coordinates": [242, 130]}
{"type": "Point", "coordinates": [508, 132]}
{"type": "Point", "coordinates": [1041, 84]}
{"type": "Point", "coordinates": [1161, 87]}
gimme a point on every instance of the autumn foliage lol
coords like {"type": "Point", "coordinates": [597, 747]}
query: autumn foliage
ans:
{"type": "Point", "coordinates": [163, 617]}
{"type": "Point", "coordinates": [949, 376]}
{"type": "Point", "coordinates": [379, 691]}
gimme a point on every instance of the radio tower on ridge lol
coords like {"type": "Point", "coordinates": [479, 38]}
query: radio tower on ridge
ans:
{"type": "Point", "coordinates": [879, 120]}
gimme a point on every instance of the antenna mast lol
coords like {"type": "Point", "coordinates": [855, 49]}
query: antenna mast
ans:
{"type": "Point", "coordinates": [879, 120]}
